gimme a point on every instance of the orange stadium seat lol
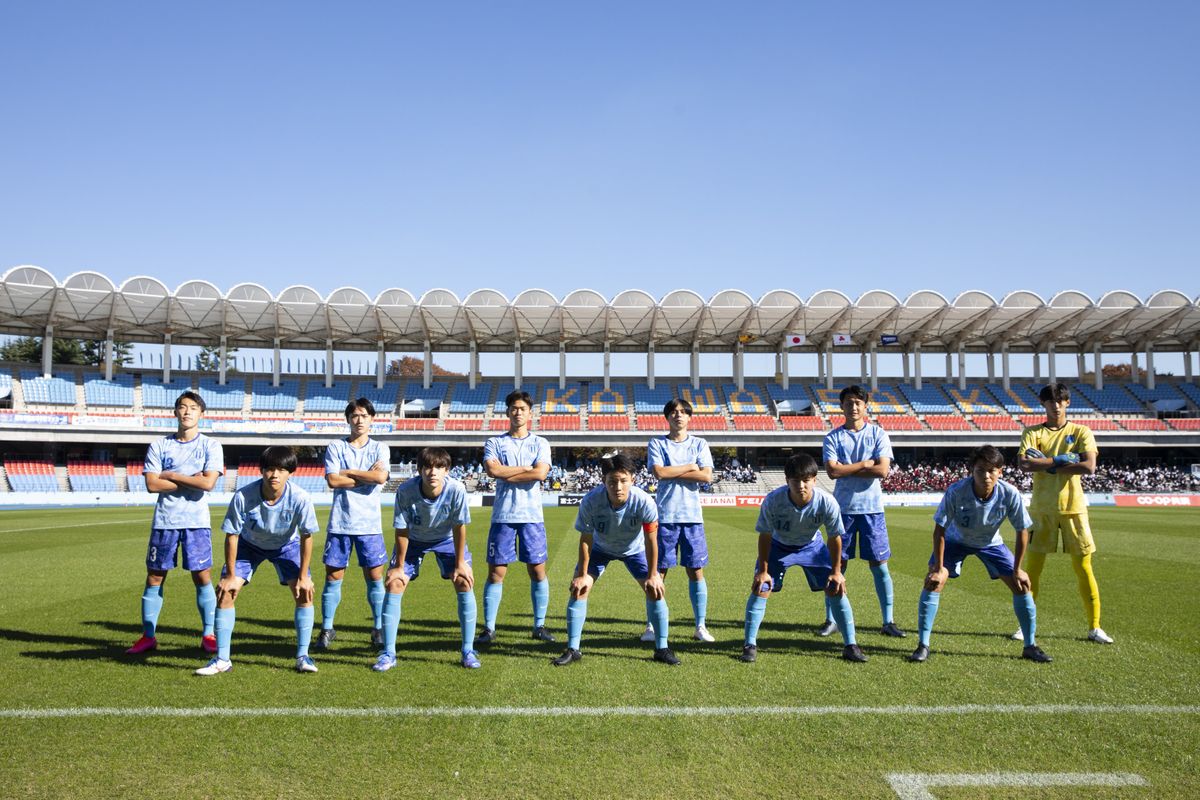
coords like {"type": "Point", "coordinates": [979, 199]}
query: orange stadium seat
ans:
{"type": "Point", "coordinates": [652, 422]}
{"type": "Point", "coordinates": [608, 422]}
{"type": "Point", "coordinates": [995, 422]}
{"type": "Point", "coordinates": [802, 423]}
{"type": "Point", "coordinates": [753, 422]}
{"type": "Point", "coordinates": [947, 422]}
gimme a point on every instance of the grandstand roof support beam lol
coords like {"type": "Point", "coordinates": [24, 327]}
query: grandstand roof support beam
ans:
{"type": "Point", "coordinates": [739, 366]}
{"type": "Point", "coordinates": [862, 366]}
{"type": "Point", "coordinates": [695, 364]}
{"type": "Point", "coordinates": [222, 355]}
{"type": "Point", "coordinates": [821, 365]}
{"type": "Point", "coordinates": [783, 365]}
{"type": "Point", "coordinates": [607, 366]}
{"type": "Point", "coordinates": [1051, 366]}
{"type": "Point", "coordinates": [962, 367]}
{"type": "Point", "coordinates": [829, 365]}
{"type": "Point", "coordinates": [1080, 365]}
{"type": "Point", "coordinates": [562, 365]}
{"type": "Point", "coordinates": [1097, 368]}
{"type": "Point", "coordinates": [874, 369]}
{"type": "Point", "coordinates": [1133, 364]}
{"type": "Point", "coordinates": [108, 354]}
{"type": "Point", "coordinates": [1187, 363]}
{"type": "Point", "coordinates": [427, 366]}
{"type": "Point", "coordinates": [905, 357]}
{"type": "Point", "coordinates": [380, 363]}
{"type": "Point", "coordinates": [473, 363]}
{"type": "Point", "coordinates": [328, 361]}
{"type": "Point", "coordinates": [166, 378]}
{"type": "Point", "coordinates": [1150, 383]}
{"type": "Point", "coordinates": [949, 366]}
{"type": "Point", "coordinates": [991, 366]}
{"type": "Point", "coordinates": [518, 364]}
{"type": "Point", "coordinates": [48, 351]}
{"type": "Point", "coordinates": [650, 365]}
{"type": "Point", "coordinates": [1037, 365]}
{"type": "Point", "coordinates": [276, 362]}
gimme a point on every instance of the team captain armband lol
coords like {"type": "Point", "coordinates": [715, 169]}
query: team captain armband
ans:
{"type": "Point", "coordinates": [649, 527]}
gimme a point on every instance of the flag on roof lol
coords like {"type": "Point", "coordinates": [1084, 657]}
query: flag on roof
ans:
{"type": "Point", "coordinates": [842, 339]}
{"type": "Point", "coordinates": [793, 339]}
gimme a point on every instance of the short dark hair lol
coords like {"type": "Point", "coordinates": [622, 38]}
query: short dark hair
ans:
{"type": "Point", "coordinates": [1055, 392]}
{"type": "Point", "coordinates": [801, 466]}
{"type": "Point", "coordinates": [854, 391]}
{"type": "Point", "coordinates": [617, 462]}
{"type": "Point", "coordinates": [514, 396]}
{"type": "Point", "coordinates": [363, 403]}
{"type": "Point", "coordinates": [433, 457]}
{"type": "Point", "coordinates": [277, 456]}
{"type": "Point", "coordinates": [987, 456]}
{"type": "Point", "coordinates": [680, 403]}
{"type": "Point", "coordinates": [194, 397]}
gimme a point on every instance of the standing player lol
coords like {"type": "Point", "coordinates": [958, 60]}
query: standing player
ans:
{"type": "Point", "coordinates": [431, 516]}
{"type": "Point", "coordinates": [1057, 452]}
{"type": "Point", "coordinates": [268, 520]}
{"type": "Point", "coordinates": [681, 463]}
{"type": "Point", "coordinates": [789, 535]}
{"type": "Point", "coordinates": [356, 468]}
{"type": "Point", "coordinates": [617, 521]}
{"type": "Point", "coordinates": [967, 523]}
{"type": "Point", "coordinates": [858, 455]}
{"type": "Point", "coordinates": [519, 461]}
{"type": "Point", "coordinates": [182, 468]}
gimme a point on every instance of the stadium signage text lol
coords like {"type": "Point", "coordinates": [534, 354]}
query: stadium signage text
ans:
{"type": "Point", "coordinates": [1158, 500]}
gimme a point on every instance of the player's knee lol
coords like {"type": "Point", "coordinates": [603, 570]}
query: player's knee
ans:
{"type": "Point", "coordinates": [460, 585]}
{"type": "Point", "coordinates": [394, 586]}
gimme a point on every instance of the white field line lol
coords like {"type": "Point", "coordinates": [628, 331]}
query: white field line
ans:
{"type": "Point", "coordinates": [585, 711]}
{"type": "Point", "coordinates": [83, 525]}
{"type": "Point", "coordinates": [916, 786]}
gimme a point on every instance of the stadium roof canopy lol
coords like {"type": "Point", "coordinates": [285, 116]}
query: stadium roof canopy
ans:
{"type": "Point", "coordinates": [142, 309]}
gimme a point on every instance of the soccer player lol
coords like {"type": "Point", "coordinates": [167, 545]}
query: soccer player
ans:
{"type": "Point", "coordinates": [858, 455]}
{"type": "Point", "coordinates": [617, 521]}
{"type": "Point", "coordinates": [182, 468]}
{"type": "Point", "coordinates": [431, 516]}
{"type": "Point", "coordinates": [681, 463]}
{"type": "Point", "coordinates": [789, 535]}
{"type": "Point", "coordinates": [356, 468]}
{"type": "Point", "coordinates": [268, 520]}
{"type": "Point", "coordinates": [518, 461]}
{"type": "Point", "coordinates": [967, 523]}
{"type": "Point", "coordinates": [1057, 452]}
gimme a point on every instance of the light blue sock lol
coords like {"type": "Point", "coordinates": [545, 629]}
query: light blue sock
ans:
{"type": "Point", "coordinates": [539, 594]}
{"type": "Point", "coordinates": [844, 617]}
{"type": "Point", "coordinates": [883, 588]}
{"type": "Point", "coordinates": [828, 609]}
{"type": "Point", "coordinates": [466, 619]}
{"type": "Point", "coordinates": [391, 621]}
{"type": "Point", "coordinates": [756, 607]}
{"type": "Point", "coordinates": [576, 614]}
{"type": "Point", "coordinates": [223, 627]}
{"type": "Point", "coordinates": [698, 592]}
{"type": "Point", "coordinates": [375, 600]}
{"type": "Point", "coordinates": [206, 603]}
{"type": "Point", "coordinates": [926, 613]}
{"type": "Point", "coordinates": [331, 595]}
{"type": "Point", "coordinates": [304, 625]}
{"type": "Point", "coordinates": [659, 616]}
{"type": "Point", "coordinates": [152, 600]}
{"type": "Point", "coordinates": [492, 592]}
{"type": "Point", "coordinates": [1027, 616]}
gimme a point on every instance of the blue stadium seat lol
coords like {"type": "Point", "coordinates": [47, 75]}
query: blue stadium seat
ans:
{"type": "Point", "coordinates": [384, 399]}
{"type": "Point", "coordinates": [613, 400]}
{"type": "Point", "coordinates": [503, 390]}
{"type": "Point", "coordinates": [5, 384]}
{"type": "Point", "coordinates": [156, 394]}
{"type": "Point", "coordinates": [419, 400]}
{"type": "Point", "coordinates": [1111, 399]}
{"type": "Point", "coordinates": [331, 399]}
{"type": "Point", "coordinates": [705, 398]}
{"type": "Point", "coordinates": [791, 400]}
{"type": "Point", "coordinates": [229, 397]}
{"type": "Point", "coordinates": [974, 399]}
{"type": "Point", "coordinates": [651, 401]}
{"type": "Point", "coordinates": [265, 397]}
{"type": "Point", "coordinates": [927, 400]}
{"type": "Point", "coordinates": [1019, 399]}
{"type": "Point", "coordinates": [47, 391]}
{"type": "Point", "coordinates": [1164, 397]}
{"type": "Point", "coordinates": [465, 400]}
{"type": "Point", "coordinates": [99, 392]}
{"type": "Point", "coordinates": [1191, 391]}
{"type": "Point", "coordinates": [566, 400]}
{"type": "Point", "coordinates": [750, 400]}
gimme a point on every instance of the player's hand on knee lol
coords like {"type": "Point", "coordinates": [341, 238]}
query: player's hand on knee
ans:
{"type": "Point", "coordinates": [836, 585]}
{"type": "Point", "coordinates": [302, 590]}
{"type": "Point", "coordinates": [1021, 580]}
{"type": "Point", "coordinates": [936, 579]}
{"type": "Point", "coordinates": [580, 587]}
{"type": "Point", "coordinates": [762, 584]}
{"type": "Point", "coordinates": [463, 577]}
{"type": "Point", "coordinates": [655, 590]}
{"type": "Point", "coordinates": [227, 589]}
{"type": "Point", "coordinates": [395, 580]}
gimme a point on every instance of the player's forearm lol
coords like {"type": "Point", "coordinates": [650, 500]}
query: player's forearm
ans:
{"type": "Point", "coordinates": [878, 471]}
{"type": "Point", "coordinates": [497, 470]}
{"type": "Point", "coordinates": [336, 480]}
{"type": "Point", "coordinates": [369, 476]}
{"type": "Point", "coordinates": [460, 544]}
{"type": "Point", "coordinates": [231, 546]}
{"type": "Point", "coordinates": [159, 485]}
{"type": "Point", "coordinates": [764, 551]}
{"type": "Point", "coordinates": [401, 549]}
{"type": "Point", "coordinates": [203, 481]}
{"type": "Point", "coordinates": [664, 472]}
{"type": "Point", "coordinates": [305, 553]}
{"type": "Point", "coordinates": [1035, 464]}
{"type": "Point", "coordinates": [939, 547]}
{"type": "Point", "coordinates": [834, 543]}
{"type": "Point", "coordinates": [697, 474]}
{"type": "Point", "coordinates": [524, 475]}
{"type": "Point", "coordinates": [585, 555]}
{"type": "Point", "coordinates": [835, 469]}
{"type": "Point", "coordinates": [1020, 546]}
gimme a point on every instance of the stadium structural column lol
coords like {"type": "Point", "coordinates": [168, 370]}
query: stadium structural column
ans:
{"type": "Point", "coordinates": [1051, 367]}
{"type": "Point", "coordinates": [829, 365]}
{"type": "Point", "coordinates": [781, 365]}
{"type": "Point", "coordinates": [874, 369]}
{"type": "Point", "coordinates": [222, 354]}
{"type": "Point", "coordinates": [650, 366]}
{"type": "Point", "coordinates": [1150, 383]}
{"type": "Point", "coordinates": [1006, 380]}
{"type": "Point", "coordinates": [380, 363]}
{"type": "Point", "coordinates": [427, 367]}
{"type": "Point", "coordinates": [1187, 363]}
{"type": "Point", "coordinates": [962, 367]}
{"type": "Point", "coordinates": [695, 365]}
{"type": "Point", "coordinates": [917, 366]}
{"type": "Point", "coordinates": [1097, 368]}
{"type": "Point", "coordinates": [108, 354]}
{"type": "Point", "coordinates": [991, 366]}
{"type": "Point", "coordinates": [1037, 365]}
{"type": "Point", "coordinates": [48, 351]}
{"type": "Point", "coordinates": [949, 366]}
{"type": "Point", "coordinates": [518, 365]}
{"type": "Point", "coordinates": [739, 367]}
{"type": "Point", "coordinates": [862, 365]}
{"type": "Point", "coordinates": [276, 362]}
{"type": "Point", "coordinates": [562, 366]}
{"type": "Point", "coordinates": [328, 361]}
{"type": "Point", "coordinates": [1080, 366]}
{"type": "Point", "coordinates": [821, 366]}
{"type": "Point", "coordinates": [473, 363]}
{"type": "Point", "coordinates": [607, 367]}
{"type": "Point", "coordinates": [166, 376]}
{"type": "Point", "coordinates": [1133, 364]}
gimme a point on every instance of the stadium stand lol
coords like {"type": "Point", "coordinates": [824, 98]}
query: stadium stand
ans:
{"type": "Point", "coordinates": [135, 476]}
{"type": "Point", "coordinates": [1191, 391]}
{"type": "Point", "coordinates": [465, 400]}
{"type": "Point", "coordinates": [899, 422]}
{"type": "Point", "coordinates": [31, 474]}
{"type": "Point", "coordinates": [100, 392]}
{"type": "Point", "coordinates": [826, 400]}
{"type": "Point", "coordinates": [706, 422]}
{"type": "Point", "coordinates": [415, 423]}
{"type": "Point", "coordinates": [792, 400]}
{"type": "Point", "coordinates": [705, 398]}
{"type": "Point", "coordinates": [608, 422]}
{"type": "Point", "coordinates": [793, 422]}
{"type": "Point", "coordinates": [382, 397]}
{"type": "Point", "coordinates": [1109, 400]}
{"type": "Point", "coordinates": [926, 400]}
{"type": "Point", "coordinates": [419, 400]}
{"type": "Point", "coordinates": [503, 391]}
{"type": "Point", "coordinates": [52, 391]}
{"type": "Point", "coordinates": [463, 423]}
{"type": "Point", "coordinates": [650, 401]}
{"type": "Point", "coordinates": [753, 422]}
{"type": "Point", "coordinates": [91, 476]}
{"type": "Point", "coordinates": [248, 472]}
{"type": "Point", "coordinates": [1185, 423]}
{"type": "Point", "coordinates": [156, 394]}
{"type": "Point", "coordinates": [974, 399]}
{"type": "Point", "coordinates": [947, 422]}
{"type": "Point", "coordinates": [750, 400]}
{"type": "Point", "coordinates": [498, 423]}
{"type": "Point", "coordinates": [995, 422]}
{"type": "Point", "coordinates": [230, 397]}
{"type": "Point", "coordinates": [322, 399]}
{"type": "Point", "coordinates": [1018, 399]}
{"type": "Point", "coordinates": [1164, 396]}
{"type": "Point", "coordinates": [613, 400]}
{"type": "Point", "coordinates": [310, 475]}
{"type": "Point", "coordinates": [566, 400]}
{"type": "Point", "coordinates": [560, 422]}
{"type": "Point", "coordinates": [1142, 424]}
{"type": "Point", "coordinates": [6, 383]}
{"type": "Point", "coordinates": [265, 397]}
{"type": "Point", "coordinates": [654, 423]}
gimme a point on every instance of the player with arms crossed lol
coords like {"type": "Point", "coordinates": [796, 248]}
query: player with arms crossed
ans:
{"type": "Point", "coordinates": [431, 516]}
{"type": "Point", "coordinates": [967, 523]}
{"type": "Point", "coordinates": [181, 468]}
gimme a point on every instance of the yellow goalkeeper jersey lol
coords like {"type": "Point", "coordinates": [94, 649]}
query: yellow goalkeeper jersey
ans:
{"type": "Point", "coordinates": [1058, 493]}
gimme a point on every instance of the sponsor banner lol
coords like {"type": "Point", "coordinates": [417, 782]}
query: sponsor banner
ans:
{"type": "Point", "coordinates": [90, 421]}
{"type": "Point", "coordinates": [216, 500]}
{"type": "Point", "coordinates": [570, 499]}
{"type": "Point", "coordinates": [1158, 500]}
{"type": "Point", "coordinates": [257, 426]}
{"type": "Point", "coordinates": [718, 500]}
{"type": "Point", "coordinates": [15, 418]}
{"type": "Point", "coordinates": [749, 499]}
{"type": "Point", "coordinates": [335, 428]}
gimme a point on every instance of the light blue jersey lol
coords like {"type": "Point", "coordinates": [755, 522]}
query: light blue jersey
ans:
{"type": "Point", "coordinates": [678, 500]}
{"type": "Point", "coordinates": [857, 495]}
{"type": "Point", "coordinates": [520, 501]}
{"type": "Point", "coordinates": [356, 512]}
{"type": "Point", "coordinates": [431, 520]}
{"type": "Point", "coordinates": [616, 531]}
{"type": "Point", "coordinates": [975, 522]}
{"type": "Point", "coordinates": [183, 508]}
{"type": "Point", "coordinates": [797, 526]}
{"type": "Point", "coordinates": [270, 526]}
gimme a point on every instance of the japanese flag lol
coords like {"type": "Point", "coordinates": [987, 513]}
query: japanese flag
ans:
{"type": "Point", "coordinates": [793, 339]}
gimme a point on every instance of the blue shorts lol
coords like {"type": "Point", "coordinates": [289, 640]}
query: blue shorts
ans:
{"type": "Point", "coordinates": [867, 534]}
{"type": "Point", "coordinates": [688, 539]}
{"type": "Point", "coordinates": [372, 552]}
{"type": "Point", "coordinates": [286, 560]}
{"type": "Point", "coordinates": [813, 558]}
{"type": "Point", "coordinates": [443, 550]}
{"type": "Point", "coordinates": [509, 541]}
{"type": "Point", "coordinates": [164, 545]}
{"type": "Point", "coordinates": [996, 557]}
{"type": "Point", "coordinates": [636, 564]}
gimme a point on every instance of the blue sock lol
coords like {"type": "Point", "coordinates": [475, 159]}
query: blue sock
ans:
{"type": "Point", "coordinates": [331, 595]}
{"type": "Point", "coordinates": [926, 612]}
{"type": "Point", "coordinates": [844, 617]}
{"type": "Point", "coordinates": [656, 612]}
{"type": "Point", "coordinates": [756, 607]}
{"type": "Point", "coordinates": [539, 594]}
{"type": "Point", "coordinates": [152, 600]}
{"type": "Point", "coordinates": [492, 592]}
{"type": "Point", "coordinates": [1027, 616]}
{"type": "Point", "coordinates": [375, 600]}
{"type": "Point", "coordinates": [206, 603]}
{"type": "Point", "coordinates": [576, 614]}
{"type": "Point", "coordinates": [391, 621]}
{"type": "Point", "coordinates": [883, 588]}
{"type": "Point", "coordinates": [698, 592]}
{"type": "Point", "coordinates": [223, 627]}
{"type": "Point", "coordinates": [304, 625]}
{"type": "Point", "coordinates": [466, 619]}
{"type": "Point", "coordinates": [828, 609]}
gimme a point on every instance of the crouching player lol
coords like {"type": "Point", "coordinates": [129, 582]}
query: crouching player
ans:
{"type": "Point", "coordinates": [617, 521]}
{"type": "Point", "coordinates": [431, 516]}
{"type": "Point", "coordinates": [788, 527]}
{"type": "Point", "coordinates": [967, 523]}
{"type": "Point", "coordinates": [268, 520]}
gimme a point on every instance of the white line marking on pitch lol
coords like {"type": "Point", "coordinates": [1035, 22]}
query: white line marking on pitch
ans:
{"type": "Point", "coordinates": [583, 711]}
{"type": "Point", "coordinates": [85, 525]}
{"type": "Point", "coordinates": [915, 786]}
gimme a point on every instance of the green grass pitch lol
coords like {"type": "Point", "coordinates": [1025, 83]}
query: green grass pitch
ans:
{"type": "Point", "coordinates": [70, 582]}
